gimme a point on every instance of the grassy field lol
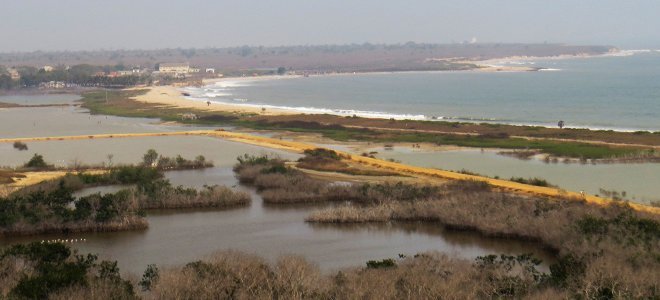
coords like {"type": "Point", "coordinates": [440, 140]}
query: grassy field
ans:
{"type": "Point", "coordinates": [118, 103]}
{"type": "Point", "coordinates": [552, 147]}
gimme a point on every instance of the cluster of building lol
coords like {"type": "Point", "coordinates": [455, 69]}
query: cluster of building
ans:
{"type": "Point", "coordinates": [171, 70]}
{"type": "Point", "coordinates": [181, 70]}
{"type": "Point", "coordinates": [54, 85]}
{"type": "Point", "coordinates": [136, 70]}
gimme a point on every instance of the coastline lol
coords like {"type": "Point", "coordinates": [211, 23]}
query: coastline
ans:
{"type": "Point", "coordinates": [173, 97]}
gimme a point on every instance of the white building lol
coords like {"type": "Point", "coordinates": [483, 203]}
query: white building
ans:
{"type": "Point", "coordinates": [48, 69]}
{"type": "Point", "coordinates": [174, 68]}
{"type": "Point", "coordinates": [13, 73]}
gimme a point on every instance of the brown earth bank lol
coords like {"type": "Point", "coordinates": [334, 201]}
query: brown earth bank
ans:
{"type": "Point", "coordinates": [494, 130]}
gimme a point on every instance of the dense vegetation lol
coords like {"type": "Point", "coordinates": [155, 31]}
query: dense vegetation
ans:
{"type": "Point", "coordinates": [59, 211]}
{"type": "Point", "coordinates": [329, 161]}
{"type": "Point", "coordinates": [51, 207]}
{"type": "Point", "coordinates": [152, 158]}
{"type": "Point", "coordinates": [315, 58]}
{"type": "Point", "coordinates": [20, 146]}
{"type": "Point", "coordinates": [37, 162]}
{"type": "Point", "coordinates": [500, 141]}
{"type": "Point", "coordinates": [77, 75]}
{"type": "Point", "coordinates": [54, 271]}
{"type": "Point", "coordinates": [602, 251]}
{"type": "Point", "coordinates": [279, 183]}
{"type": "Point", "coordinates": [611, 250]}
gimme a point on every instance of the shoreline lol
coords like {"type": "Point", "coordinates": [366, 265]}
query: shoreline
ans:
{"type": "Point", "coordinates": [172, 96]}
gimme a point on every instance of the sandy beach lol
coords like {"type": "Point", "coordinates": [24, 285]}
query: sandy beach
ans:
{"type": "Point", "coordinates": [173, 96]}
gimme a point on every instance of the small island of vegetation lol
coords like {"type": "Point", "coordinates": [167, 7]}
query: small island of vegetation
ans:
{"type": "Point", "coordinates": [50, 207]}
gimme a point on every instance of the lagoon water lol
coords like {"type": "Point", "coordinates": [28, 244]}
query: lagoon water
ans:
{"type": "Point", "coordinates": [71, 120]}
{"type": "Point", "coordinates": [130, 150]}
{"type": "Point", "coordinates": [47, 99]}
{"type": "Point", "coordinates": [611, 92]}
{"type": "Point", "coordinates": [179, 237]}
{"type": "Point", "coordinates": [639, 181]}
{"type": "Point", "coordinates": [615, 92]}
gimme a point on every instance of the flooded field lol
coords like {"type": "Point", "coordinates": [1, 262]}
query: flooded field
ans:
{"type": "Point", "coordinates": [71, 120]}
{"type": "Point", "coordinates": [40, 99]}
{"type": "Point", "coordinates": [638, 180]}
{"type": "Point", "coordinates": [131, 150]}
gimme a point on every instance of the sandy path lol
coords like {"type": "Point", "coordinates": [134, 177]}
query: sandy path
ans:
{"type": "Point", "coordinates": [32, 178]}
{"type": "Point", "coordinates": [374, 162]}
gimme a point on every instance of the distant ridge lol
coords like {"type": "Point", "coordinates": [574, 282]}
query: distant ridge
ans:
{"type": "Point", "coordinates": [318, 58]}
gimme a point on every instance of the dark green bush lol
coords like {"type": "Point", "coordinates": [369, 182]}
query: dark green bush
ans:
{"type": "Point", "coordinates": [37, 162]}
{"type": "Point", "coordinates": [379, 264]}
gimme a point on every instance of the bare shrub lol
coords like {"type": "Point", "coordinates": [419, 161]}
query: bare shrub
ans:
{"type": "Point", "coordinates": [614, 249]}
{"type": "Point", "coordinates": [424, 276]}
{"type": "Point", "coordinates": [179, 197]}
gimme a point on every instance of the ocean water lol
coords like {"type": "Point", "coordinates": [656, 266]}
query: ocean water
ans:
{"type": "Point", "coordinates": [612, 92]}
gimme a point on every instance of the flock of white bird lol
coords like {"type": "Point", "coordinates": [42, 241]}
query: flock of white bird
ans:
{"type": "Point", "coordinates": [63, 241]}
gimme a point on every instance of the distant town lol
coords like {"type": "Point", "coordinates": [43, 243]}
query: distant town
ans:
{"type": "Point", "coordinates": [124, 68]}
{"type": "Point", "coordinates": [117, 76]}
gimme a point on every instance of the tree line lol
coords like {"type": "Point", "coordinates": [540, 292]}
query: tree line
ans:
{"type": "Point", "coordinates": [77, 75]}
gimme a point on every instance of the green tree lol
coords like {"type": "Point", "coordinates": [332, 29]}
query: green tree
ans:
{"type": "Point", "coordinates": [149, 277]}
{"type": "Point", "coordinates": [150, 157]}
{"type": "Point", "coordinates": [37, 161]}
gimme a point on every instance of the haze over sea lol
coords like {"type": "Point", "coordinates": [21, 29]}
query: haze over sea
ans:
{"type": "Point", "coordinates": [609, 92]}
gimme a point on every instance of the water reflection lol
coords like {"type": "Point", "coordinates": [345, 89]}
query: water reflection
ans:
{"type": "Point", "coordinates": [177, 237]}
{"type": "Point", "coordinates": [70, 120]}
{"type": "Point", "coordinates": [638, 180]}
{"type": "Point", "coordinates": [131, 150]}
{"type": "Point", "coordinates": [40, 99]}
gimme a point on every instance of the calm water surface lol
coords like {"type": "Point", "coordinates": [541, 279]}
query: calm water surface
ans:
{"type": "Point", "coordinates": [178, 237]}
{"type": "Point", "coordinates": [70, 120]}
{"type": "Point", "coordinates": [40, 99]}
{"type": "Point", "coordinates": [640, 181]}
{"type": "Point", "coordinates": [131, 150]}
{"type": "Point", "coordinates": [604, 92]}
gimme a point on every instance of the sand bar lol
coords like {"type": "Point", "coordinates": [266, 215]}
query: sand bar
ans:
{"type": "Point", "coordinates": [373, 162]}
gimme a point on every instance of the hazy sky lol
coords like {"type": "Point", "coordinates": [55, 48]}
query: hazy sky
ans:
{"type": "Point", "coordinates": [27, 25]}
